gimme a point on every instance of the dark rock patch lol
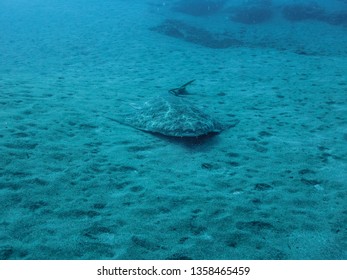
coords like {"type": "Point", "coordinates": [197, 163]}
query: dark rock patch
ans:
{"type": "Point", "coordinates": [300, 12]}
{"type": "Point", "coordinates": [254, 13]}
{"type": "Point", "coordinates": [179, 256]}
{"type": "Point", "coordinates": [195, 35]}
{"type": "Point", "coordinates": [339, 18]}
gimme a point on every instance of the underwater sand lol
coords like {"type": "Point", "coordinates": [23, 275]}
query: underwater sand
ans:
{"type": "Point", "coordinates": [76, 185]}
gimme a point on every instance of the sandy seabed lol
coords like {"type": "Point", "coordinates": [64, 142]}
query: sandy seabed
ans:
{"type": "Point", "coordinates": [76, 185]}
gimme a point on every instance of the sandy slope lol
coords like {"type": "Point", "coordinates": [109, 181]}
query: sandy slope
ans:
{"type": "Point", "coordinates": [76, 185]}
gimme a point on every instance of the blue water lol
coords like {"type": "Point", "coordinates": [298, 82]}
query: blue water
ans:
{"type": "Point", "coordinates": [75, 184]}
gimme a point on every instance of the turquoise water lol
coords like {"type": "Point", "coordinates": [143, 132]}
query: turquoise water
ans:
{"type": "Point", "coordinates": [74, 184]}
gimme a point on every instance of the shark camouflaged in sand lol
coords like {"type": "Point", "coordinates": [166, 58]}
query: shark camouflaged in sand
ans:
{"type": "Point", "coordinates": [171, 115]}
